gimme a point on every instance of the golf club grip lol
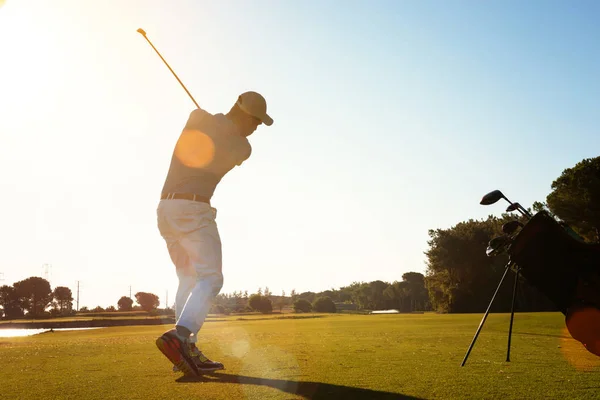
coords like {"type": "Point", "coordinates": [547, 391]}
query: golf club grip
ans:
{"type": "Point", "coordinates": [168, 66]}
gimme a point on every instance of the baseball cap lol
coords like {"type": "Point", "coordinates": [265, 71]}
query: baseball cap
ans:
{"type": "Point", "coordinates": [254, 104]}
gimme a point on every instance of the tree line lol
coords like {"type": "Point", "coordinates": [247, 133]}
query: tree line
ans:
{"type": "Point", "coordinates": [35, 298]}
{"type": "Point", "coordinates": [459, 276]}
{"type": "Point", "coordinates": [407, 295]}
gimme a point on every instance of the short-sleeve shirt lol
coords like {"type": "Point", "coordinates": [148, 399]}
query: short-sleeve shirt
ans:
{"type": "Point", "coordinates": [208, 148]}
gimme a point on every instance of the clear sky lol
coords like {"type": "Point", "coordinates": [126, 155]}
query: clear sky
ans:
{"type": "Point", "coordinates": [391, 118]}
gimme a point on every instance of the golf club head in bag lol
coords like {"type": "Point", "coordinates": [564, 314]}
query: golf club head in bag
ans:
{"type": "Point", "coordinates": [498, 245]}
{"type": "Point", "coordinates": [511, 227]}
{"type": "Point", "coordinates": [566, 270]}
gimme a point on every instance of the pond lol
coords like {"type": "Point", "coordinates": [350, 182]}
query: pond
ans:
{"type": "Point", "coordinates": [6, 333]}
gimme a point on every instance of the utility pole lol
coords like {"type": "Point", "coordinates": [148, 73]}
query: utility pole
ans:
{"type": "Point", "coordinates": [46, 270]}
{"type": "Point", "coordinates": [77, 296]}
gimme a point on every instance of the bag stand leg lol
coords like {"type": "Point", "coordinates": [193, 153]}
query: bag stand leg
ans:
{"type": "Point", "coordinates": [486, 314]}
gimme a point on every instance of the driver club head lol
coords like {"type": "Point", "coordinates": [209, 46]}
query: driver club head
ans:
{"type": "Point", "coordinates": [491, 198]}
{"type": "Point", "coordinates": [511, 226]}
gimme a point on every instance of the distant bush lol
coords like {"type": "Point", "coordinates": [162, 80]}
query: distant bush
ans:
{"type": "Point", "coordinates": [260, 303]}
{"type": "Point", "coordinates": [219, 309]}
{"type": "Point", "coordinates": [125, 303]}
{"type": "Point", "coordinates": [324, 304]}
{"type": "Point", "coordinates": [302, 306]}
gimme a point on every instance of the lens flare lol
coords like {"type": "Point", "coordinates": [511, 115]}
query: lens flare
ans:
{"type": "Point", "coordinates": [582, 350]}
{"type": "Point", "coordinates": [195, 149]}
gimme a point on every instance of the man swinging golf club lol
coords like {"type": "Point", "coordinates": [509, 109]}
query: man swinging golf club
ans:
{"type": "Point", "coordinates": [208, 147]}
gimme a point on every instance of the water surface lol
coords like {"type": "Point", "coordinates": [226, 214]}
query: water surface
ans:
{"type": "Point", "coordinates": [4, 333]}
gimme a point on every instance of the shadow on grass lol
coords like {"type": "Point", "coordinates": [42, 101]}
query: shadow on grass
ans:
{"type": "Point", "coordinates": [542, 334]}
{"type": "Point", "coordinates": [284, 317]}
{"type": "Point", "coordinates": [308, 390]}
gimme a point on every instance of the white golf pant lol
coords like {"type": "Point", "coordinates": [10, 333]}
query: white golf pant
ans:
{"type": "Point", "coordinates": [190, 231]}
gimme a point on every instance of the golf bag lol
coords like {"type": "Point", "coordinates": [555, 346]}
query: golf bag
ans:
{"type": "Point", "coordinates": [566, 269]}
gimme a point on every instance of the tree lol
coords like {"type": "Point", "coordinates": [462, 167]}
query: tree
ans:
{"type": "Point", "coordinates": [267, 292]}
{"type": "Point", "coordinates": [416, 290]}
{"type": "Point", "coordinates": [359, 294]}
{"type": "Point", "coordinates": [148, 301]}
{"type": "Point", "coordinates": [125, 303]}
{"type": "Point", "coordinates": [461, 278]}
{"type": "Point", "coordinates": [302, 305]}
{"type": "Point", "coordinates": [398, 296]}
{"type": "Point", "coordinates": [376, 298]}
{"type": "Point", "coordinates": [218, 309]}
{"type": "Point", "coordinates": [260, 303]}
{"type": "Point", "coordinates": [64, 299]}
{"type": "Point", "coordinates": [575, 198]}
{"type": "Point", "coordinates": [282, 301]}
{"type": "Point", "coordinates": [332, 294]}
{"type": "Point", "coordinates": [10, 302]}
{"type": "Point", "coordinates": [267, 306]}
{"type": "Point", "coordinates": [324, 304]}
{"type": "Point", "coordinates": [345, 294]}
{"type": "Point", "coordinates": [35, 295]}
{"type": "Point", "coordinates": [308, 296]}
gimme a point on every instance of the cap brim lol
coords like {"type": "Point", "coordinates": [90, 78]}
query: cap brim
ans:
{"type": "Point", "coordinates": [268, 121]}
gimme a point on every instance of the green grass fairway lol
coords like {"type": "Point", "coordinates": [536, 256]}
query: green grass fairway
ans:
{"type": "Point", "coordinates": [331, 357]}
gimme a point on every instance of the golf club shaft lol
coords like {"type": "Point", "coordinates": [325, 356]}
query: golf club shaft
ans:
{"type": "Point", "coordinates": [525, 212]}
{"type": "Point", "coordinates": [141, 31]}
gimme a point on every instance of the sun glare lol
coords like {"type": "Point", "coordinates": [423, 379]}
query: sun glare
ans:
{"type": "Point", "coordinates": [195, 149]}
{"type": "Point", "coordinates": [576, 354]}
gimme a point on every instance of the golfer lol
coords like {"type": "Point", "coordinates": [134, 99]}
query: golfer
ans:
{"type": "Point", "coordinates": [208, 147]}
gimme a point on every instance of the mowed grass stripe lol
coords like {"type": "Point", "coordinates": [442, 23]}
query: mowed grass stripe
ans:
{"type": "Point", "coordinates": [343, 356]}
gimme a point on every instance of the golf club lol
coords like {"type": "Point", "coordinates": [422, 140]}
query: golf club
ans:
{"type": "Point", "coordinates": [495, 195]}
{"type": "Point", "coordinates": [510, 227]}
{"type": "Point", "coordinates": [143, 33]}
{"type": "Point", "coordinates": [518, 207]}
{"type": "Point", "coordinates": [497, 245]}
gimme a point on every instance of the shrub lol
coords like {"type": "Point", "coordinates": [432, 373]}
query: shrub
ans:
{"type": "Point", "coordinates": [260, 303]}
{"type": "Point", "coordinates": [302, 306]}
{"type": "Point", "coordinates": [324, 304]}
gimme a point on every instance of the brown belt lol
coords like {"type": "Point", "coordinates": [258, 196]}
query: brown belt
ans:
{"type": "Point", "coordinates": [185, 196]}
